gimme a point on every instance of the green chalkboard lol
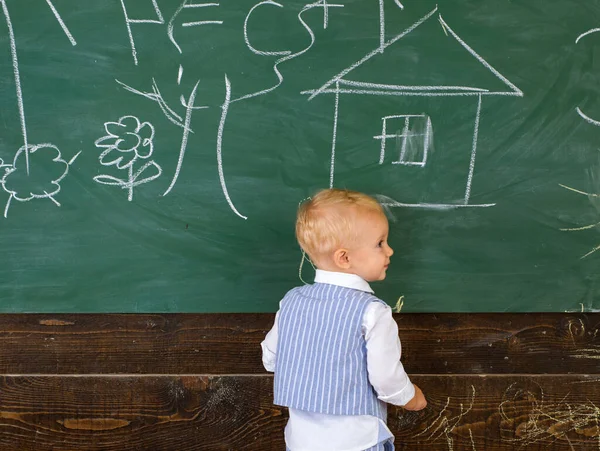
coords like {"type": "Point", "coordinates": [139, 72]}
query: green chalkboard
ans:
{"type": "Point", "coordinates": [153, 152]}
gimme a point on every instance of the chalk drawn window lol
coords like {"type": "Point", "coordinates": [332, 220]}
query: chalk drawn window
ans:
{"type": "Point", "coordinates": [410, 135]}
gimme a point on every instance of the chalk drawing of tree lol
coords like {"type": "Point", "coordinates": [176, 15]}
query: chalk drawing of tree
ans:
{"type": "Point", "coordinates": [252, 25]}
{"type": "Point", "coordinates": [126, 142]}
{"type": "Point", "coordinates": [42, 181]}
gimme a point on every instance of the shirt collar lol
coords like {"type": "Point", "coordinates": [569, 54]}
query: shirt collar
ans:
{"type": "Point", "coordinates": [342, 279]}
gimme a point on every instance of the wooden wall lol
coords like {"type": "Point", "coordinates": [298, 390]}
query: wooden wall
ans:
{"type": "Point", "coordinates": [195, 382]}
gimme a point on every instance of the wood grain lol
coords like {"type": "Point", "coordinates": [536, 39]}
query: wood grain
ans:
{"type": "Point", "coordinates": [187, 382]}
{"type": "Point", "coordinates": [536, 343]}
{"type": "Point", "coordinates": [236, 413]}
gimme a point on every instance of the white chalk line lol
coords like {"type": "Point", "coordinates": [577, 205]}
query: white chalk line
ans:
{"type": "Point", "coordinates": [157, 11]}
{"type": "Point", "coordinates": [312, 92]}
{"type": "Point", "coordinates": [324, 88]}
{"type": "Point", "coordinates": [61, 23]}
{"type": "Point", "coordinates": [74, 158]}
{"type": "Point", "coordinates": [428, 132]}
{"type": "Point", "coordinates": [184, 138]}
{"type": "Point", "coordinates": [333, 141]}
{"type": "Point", "coordinates": [225, 109]}
{"type": "Point", "coordinates": [473, 152]}
{"type": "Point", "coordinates": [593, 30]}
{"type": "Point", "coordinates": [404, 135]}
{"type": "Point", "coordinates": [131, 40]}
{"type": "Point", "coordinates": [49, 196]}
{"type": "Point", "coordinates": [323, 4]}
{"type": "Point", "coordinates": [435, 206]}
{"type": "Point", "coordinates": [202, 22]}
{"type": "Point", "coordinates": [132, 180]}
{"type": "Point", "coordinates": [13, 168]}
{"type": "Point", "coordinates": [15, 62]}
{"type": "Point", "coordinates": [252, 49]}
{"type": "Point", "coordinates": [577, 229]}
{"type": "Point", "coordinates": [398, 116]}
{"type": "Point", "coordinates": [586, 118]}
{"type": "Point", "coordinates": [410, 163]}
{"type": "Point", "coordinates": [200, 5]}
{"type": "Point", "coordinates": [383, 137]}
{"type": "Point", "coordinates": [128, 21]}
{"type": "Point", "coordinates": [579, 191]}
{"type": "Point", "coordinates": [381, 26]}
{"type": "Point", "coordinates": [161, 101]}
{"type": "Point", "coordinates": [179, 74]}
{"type": "Point", "coordinates": [170, 26]}
{"type": "Point", "coordinates": [184, 104]}
{"type": "Point", "coordinates": [586, 227]}
{"type": "Point", "coordinates": [186, 5]}
{"type": "Point", "coordinates": [285, 58]}
{"type": "Point", "coordinates": [371, 55]}
{"type": "Point", "coordinates": [154, 21]}
{"type": "Point", "coordinates": [157, 97]}
{"type": "Point", "coordinates": [480, 59]}
{"type": "Point", "coordinates": [7, 206]}
{"type": "Point", "coordinates": [360, 84]}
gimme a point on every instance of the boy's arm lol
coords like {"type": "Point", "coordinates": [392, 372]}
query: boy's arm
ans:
{"type": "Point", "coordinates": [269, 347]}
{"type": "Point", "coordinates": [386, 372]}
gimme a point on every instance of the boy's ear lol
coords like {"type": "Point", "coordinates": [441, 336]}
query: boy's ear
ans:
{"type": "Point", "coordinates": [341, 258]}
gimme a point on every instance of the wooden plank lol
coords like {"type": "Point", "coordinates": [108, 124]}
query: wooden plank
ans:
{"type": "Point", "coordinates": [502, 413]}
{"type": "Point", "coordinates": [116, 413]}
{"type": "Point", "coordinates": [498, 343]}
{"type": "Point", "coordinates": [138, 413]}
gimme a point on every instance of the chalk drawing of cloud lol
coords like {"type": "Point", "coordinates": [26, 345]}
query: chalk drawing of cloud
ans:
{"type": "Point", "coordinates": [46, 170]}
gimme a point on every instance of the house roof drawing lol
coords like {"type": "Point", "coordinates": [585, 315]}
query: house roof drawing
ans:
{"type": "Point", "coordinates": [349, 80]}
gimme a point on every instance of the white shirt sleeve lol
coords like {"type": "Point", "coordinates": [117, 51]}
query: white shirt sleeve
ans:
{"type": "Point", "coordinates": [386, 372]}
{"type": "Point", "coordinates": [269, 347]}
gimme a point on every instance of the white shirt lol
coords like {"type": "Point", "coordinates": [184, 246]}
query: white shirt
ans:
{"type": "Point", "coordinates": [309, 431]}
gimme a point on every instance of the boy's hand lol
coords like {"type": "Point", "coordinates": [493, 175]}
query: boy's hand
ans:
{"type": "Point", "coordinates": [418, 402]}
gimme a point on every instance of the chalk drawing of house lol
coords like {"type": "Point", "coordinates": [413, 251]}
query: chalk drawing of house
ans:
{"type": "Point", "coordinates": [401, 137]}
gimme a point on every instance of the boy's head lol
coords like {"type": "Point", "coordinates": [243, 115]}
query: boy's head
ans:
{"type": "Point", "coordinates": [345, 231]}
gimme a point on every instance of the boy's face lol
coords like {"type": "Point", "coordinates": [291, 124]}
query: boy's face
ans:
{"type": "Point", "coordinates": [370, 254]}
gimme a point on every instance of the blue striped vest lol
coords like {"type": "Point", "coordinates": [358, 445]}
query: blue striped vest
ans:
{"type": "Point", "coordinates": [321, 361]}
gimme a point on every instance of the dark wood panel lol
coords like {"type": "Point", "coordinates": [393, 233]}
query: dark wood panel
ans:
{"type": "Point", "coordinates": [501, 343]}
{"type": "Point", "coordinates": [139, 413]}
{"type": "Point", "coordinates": [525, 412]}
{"type": "Point", "coordinates": [113, 413]}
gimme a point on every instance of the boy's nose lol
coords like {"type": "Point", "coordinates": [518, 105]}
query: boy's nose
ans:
{"type": "Point", "coordinates": [390, 251]}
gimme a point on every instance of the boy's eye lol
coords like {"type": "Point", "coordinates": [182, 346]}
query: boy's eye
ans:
{"type": "Point", "coordinates": [380, 244]}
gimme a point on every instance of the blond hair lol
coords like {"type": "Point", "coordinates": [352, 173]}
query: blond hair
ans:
{"type": "Point", "coordinates": [326, 221]}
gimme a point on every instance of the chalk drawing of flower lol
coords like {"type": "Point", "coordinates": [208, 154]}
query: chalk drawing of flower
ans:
{"type": "Point", "coordinates": [126, 142]}
{"type": "Point", "coordinates": [40, 180]}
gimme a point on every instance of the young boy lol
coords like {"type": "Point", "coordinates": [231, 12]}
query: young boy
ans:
{"type": "Point", "coordinates": [334, 346]}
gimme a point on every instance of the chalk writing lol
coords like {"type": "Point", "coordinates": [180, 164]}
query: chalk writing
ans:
{"type": "Point", "coordinates": [24, 186]}
{"type": "Point", "coordinates": [414, 136]}
{"type": "Point", "coordinates": [585, 227]}
{"type": "Point", "coordinates": [173, 117]}
{"type": "Point", "coordinates": [341, 84]}
{"type": "Point", "coordinates": [158, 19]}
{"type": "Point", "coordinates": [126, 142]}
{"type": "Point", "coordinates": [447, 421]}
{"type": "Point", "coordinates": [18, 180]}
{"type": "Point", "coordinates": [187, 5]}
{"type": "Point", "coordinates": [61, 23]}
{"type": "Point", "coordinates": [539, 420]}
